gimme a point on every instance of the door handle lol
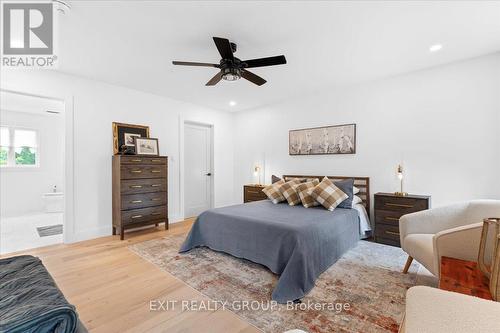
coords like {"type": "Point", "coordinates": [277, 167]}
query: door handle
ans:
{"type": "Point", "coordinates": [208, 174]}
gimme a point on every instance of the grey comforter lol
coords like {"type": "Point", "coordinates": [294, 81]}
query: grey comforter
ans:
{"type": "Point", "coordinates": [30, 301]}
{"type": "Point", "coordinates": [294, 242]}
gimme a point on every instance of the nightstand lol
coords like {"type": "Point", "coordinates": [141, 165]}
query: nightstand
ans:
{"type": "Point", "coordinates": [389, 208]}
{"type": "Point", "coordinates": [253, 192]}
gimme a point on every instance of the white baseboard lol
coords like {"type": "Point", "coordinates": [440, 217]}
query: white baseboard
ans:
{"type": "Point", "coordinates": [89, 234]}
{"type": "Point", "coordinates": [106, 231]}
{"type": "Point", "coordinates": [175, 219]}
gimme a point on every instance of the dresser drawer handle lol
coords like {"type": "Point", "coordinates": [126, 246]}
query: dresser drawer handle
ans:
{"type": "Point", "coordinates": [136, 160]}
{"type": "Point", "coordinates": [155, 185]}
{"type": "Point", "coordinates": [253, 192]}
{"type": "Point", "coordinates": [155, 199]}
{"type": "Point", "coordinates": [155, 171]}
{"type": "Point", "coordinates": [388, 218]}
{"type": "Point", "coordinates": [136, 201]}
{"type": "Point", "coordinates": [155, 214]}
{"type": "Point", "coordinates": [136, 216]}
{"type": "Point", "coordinates": [135, 186]}
{"type": "Point", "coordinates": [392, 233]}
{"type": "Point", "coordinates": [399, 205]}
{"type": "Point", "coordinates": [136, 171]}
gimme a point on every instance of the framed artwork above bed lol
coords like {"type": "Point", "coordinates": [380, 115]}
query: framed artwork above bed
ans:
{"type": "Point", "coordinates": [326, 140]}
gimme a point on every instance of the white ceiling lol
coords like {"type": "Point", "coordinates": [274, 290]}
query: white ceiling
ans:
{"type": "Point", "coordinates": [132, 43]}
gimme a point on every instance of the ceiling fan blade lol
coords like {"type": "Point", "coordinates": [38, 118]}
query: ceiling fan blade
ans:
{"type": "Point", "coordinates": [252, 77]}
{"type": "Point", "coordinates": [213, 81]}
{"type": "Point", "coordinates": [200, 64]}
{"type": "Point", "coordinates": [224, 48]}
{"type": "Point", "coordinates": [261, 62]}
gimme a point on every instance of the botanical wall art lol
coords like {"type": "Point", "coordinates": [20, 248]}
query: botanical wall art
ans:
{"type": "Point", "coordinates": [339, 139]}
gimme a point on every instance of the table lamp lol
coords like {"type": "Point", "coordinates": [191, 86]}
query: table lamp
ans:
{"type": "Point", "coordinates": [256, 172]}
{"type": "Point", "coordinates": [400, 177]}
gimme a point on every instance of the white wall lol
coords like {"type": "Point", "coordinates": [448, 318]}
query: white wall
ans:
{"type": "Point", "coordinates": [442, 124]}
{"type": "Point", "coordinates": [22, 188]}
{"type": "Point", "coordinates": [96, 105]}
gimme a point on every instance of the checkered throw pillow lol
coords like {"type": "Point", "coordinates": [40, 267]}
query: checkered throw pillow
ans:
{"type": "Point", "coordinates": [328, 195]}
{"type": "Point", "coordinates": [304, 191]}
{"type": "Point", "coordinates": [273, 192]}
{"type": "Point", "coordinates": [289, 192]}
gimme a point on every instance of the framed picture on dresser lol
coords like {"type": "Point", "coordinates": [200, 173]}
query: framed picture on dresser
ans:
{"type": "Point", "coordinates": [124, 135]}
{"type": "Point", "coordinates": [146, 146]}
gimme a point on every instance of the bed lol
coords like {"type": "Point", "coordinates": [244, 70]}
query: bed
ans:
{"type": "Point", "coordinates": [31, 300]}
{"type": "Point", "coordinates": [294, 242]}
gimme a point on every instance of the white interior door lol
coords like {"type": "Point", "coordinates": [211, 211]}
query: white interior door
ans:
{"type": "Point", "coordinates": [197, 169]}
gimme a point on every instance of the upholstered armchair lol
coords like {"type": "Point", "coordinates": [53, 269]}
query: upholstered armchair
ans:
{"type": "Point", "coordinates": [451, 231]}
{"type": "Point", "coordinates": [435, 310]}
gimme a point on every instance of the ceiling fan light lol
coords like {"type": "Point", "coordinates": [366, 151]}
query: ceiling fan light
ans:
{"type": "Point", "coordinates": [230, 77]}
{"type": "Point", "coordinates": [231, 74]}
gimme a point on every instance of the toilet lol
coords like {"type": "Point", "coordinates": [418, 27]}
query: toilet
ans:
{"type": "Point", "coordinates": [53, 202]}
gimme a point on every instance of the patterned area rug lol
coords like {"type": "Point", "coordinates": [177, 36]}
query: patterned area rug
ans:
{"type": "Point", "coordinates": [368, 278]}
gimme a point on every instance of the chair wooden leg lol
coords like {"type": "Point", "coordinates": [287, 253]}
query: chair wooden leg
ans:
{"type": "Point", "coordinates": [407, 265]}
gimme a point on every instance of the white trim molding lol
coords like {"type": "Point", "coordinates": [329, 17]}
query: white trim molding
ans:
{"type": "Point", "coordinates": [69, 191]}
{"type": "Point", "coordinates": [182, 122]}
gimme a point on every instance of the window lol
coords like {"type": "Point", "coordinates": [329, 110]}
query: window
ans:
{"type": "Point", "coordinates": [18, 147]}
{"type": "Point", "coordinates": [4, 145]}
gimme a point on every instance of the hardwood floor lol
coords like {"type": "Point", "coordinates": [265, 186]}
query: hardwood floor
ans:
{"type": "Point", "coordinates": [112, 287]}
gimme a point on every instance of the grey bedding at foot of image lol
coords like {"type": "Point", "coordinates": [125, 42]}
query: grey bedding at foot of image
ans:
{"type": "Point", "coordinates": [31, 301]}
{"type": "Point", "coordinates": [294, 242]}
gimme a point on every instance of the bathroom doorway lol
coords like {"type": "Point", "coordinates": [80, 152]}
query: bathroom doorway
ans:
{"type": "Point", "coordinates": [32, 136]}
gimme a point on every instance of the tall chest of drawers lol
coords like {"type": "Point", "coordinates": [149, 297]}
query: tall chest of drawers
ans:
{"type": "Point", "coordinates": [389, 208]}
{"type": "Point", "coordinates": [140, 196]}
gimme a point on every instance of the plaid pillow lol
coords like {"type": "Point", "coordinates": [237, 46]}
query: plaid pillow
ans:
{"type": "Point", "coordinates": [275, 179]}
{"type": "Point", "coordinates": [328, 195]}
{"type": "Point", "coordinates": [304, 191]}
{"type": "Point", "coordinates": [273, 192]}
{"type": "Point", "coordinates": [289, 192]}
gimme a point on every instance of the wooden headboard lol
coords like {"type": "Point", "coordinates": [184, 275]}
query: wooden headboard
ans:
{"type": "Point", "coordinates": [363, 183]}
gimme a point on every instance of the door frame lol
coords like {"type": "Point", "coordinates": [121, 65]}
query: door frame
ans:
{"type": "Point", "coordinates": [182, 125]}
{"type": "Point", "coordinates": [68, 153]}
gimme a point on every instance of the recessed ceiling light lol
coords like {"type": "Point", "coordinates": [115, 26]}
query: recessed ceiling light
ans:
{"type": "Point", "coordinates": [232, 103]}
{"type": "Point", "coordinates": [435, 47]}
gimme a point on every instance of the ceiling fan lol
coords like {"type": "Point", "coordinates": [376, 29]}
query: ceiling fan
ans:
{"type": "Point", "coordinates": [232, 68]}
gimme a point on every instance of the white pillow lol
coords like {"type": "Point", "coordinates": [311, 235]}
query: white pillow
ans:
{"type": "Point", "coordinates": [355, 190]}
{"type": "Point", "coordinates": [356, 200]}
